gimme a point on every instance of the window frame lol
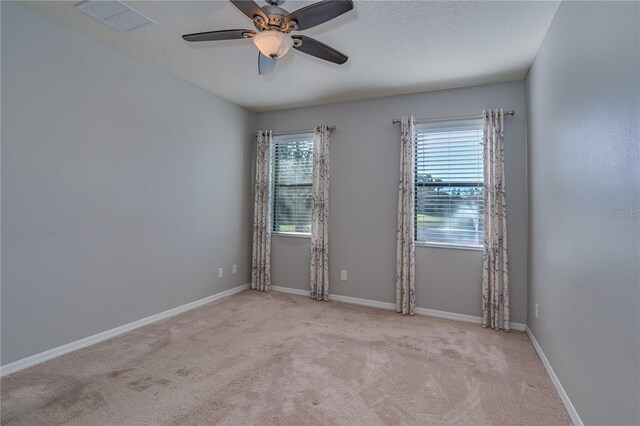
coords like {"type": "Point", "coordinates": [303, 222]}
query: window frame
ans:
{"type": "Point", "coordinates": [443, 126]}
{"type": "Point", "coordinates": [307, 135]}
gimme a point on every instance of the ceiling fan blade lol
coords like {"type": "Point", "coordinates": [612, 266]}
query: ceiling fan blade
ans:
{"type": "Point", "coordinates": [250, 8]}
{"type": "Point", "coordinates": [320, 50]}
{"type": "Point", "coordinates": [219, 35]}
{"type": "Point", "coordinates": [318, 13]}
{"type": "Point", "coordinates": [265, 64]}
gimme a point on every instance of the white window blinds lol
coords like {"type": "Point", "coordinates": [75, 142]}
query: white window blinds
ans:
{"type": "Point", "coordinates": [292, 183]}
{"type": "Point", "coordinates": [449, 184]}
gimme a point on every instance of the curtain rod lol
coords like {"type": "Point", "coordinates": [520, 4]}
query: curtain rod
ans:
{"type": "Point", "coordinates": [461, 117]}
{"type": "Point", "coordinates": [293, 132]}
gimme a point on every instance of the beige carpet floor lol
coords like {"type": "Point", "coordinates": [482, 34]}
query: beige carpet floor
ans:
{"type": "Point", "coordinates": [266, 359]}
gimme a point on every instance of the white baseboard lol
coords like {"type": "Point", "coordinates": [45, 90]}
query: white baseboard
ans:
{"type": "Point", "coordinates": [575, 418]}
{"type": "Point", "coordinates": [96, 338]}
{"type": "Point", "coordinates": [291, 290]}
{"type": "Point", "coordinates": [386, 305]}
{"type": "Point", "coordinates": [363, 302]}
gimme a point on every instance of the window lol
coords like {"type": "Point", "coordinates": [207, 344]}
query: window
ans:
{"type": "Point", "coordinates": [449, 184]}
{"type": "Point", "coordinates": [292, 183]}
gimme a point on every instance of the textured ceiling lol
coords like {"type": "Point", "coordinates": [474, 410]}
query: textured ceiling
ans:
{"type": "Point", "coordinates": [394, 47]}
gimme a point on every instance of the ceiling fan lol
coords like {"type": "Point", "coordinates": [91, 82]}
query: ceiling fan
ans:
{"type": "Point", "coordinates": [274, 25]}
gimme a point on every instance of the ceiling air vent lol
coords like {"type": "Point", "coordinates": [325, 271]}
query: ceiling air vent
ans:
{"type": "Point", "coordinates": [115, 14]}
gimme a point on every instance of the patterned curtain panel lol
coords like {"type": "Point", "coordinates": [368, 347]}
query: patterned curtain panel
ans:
{"type": "Point", "coordinates": [405, 257]}
{"type": "Point", "coordinates": [261, 260]}
{"type": "Point", "coordinates": [495, 277]}
{"type": "Point", "coordinates": [320, 216]}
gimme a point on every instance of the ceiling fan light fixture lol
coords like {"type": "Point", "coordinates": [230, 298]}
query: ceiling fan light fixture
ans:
{"type": "Point", "coordinates": [273, 44]}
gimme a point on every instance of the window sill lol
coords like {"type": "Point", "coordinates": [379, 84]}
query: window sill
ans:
{"type": "Point", "coordinates": [448, 246]}
{"type": "Point", "coordinates": [290, 234]}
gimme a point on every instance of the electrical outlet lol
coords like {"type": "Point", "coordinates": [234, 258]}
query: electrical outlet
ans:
{"type": "Point", "coordinates": [234, 269]}
{"type": "Point", "coordinates": [343, 275]}
{"type": "Point", "coordinates": [536, 311]}
{"type": "Point", "coordinates": [220, 272]}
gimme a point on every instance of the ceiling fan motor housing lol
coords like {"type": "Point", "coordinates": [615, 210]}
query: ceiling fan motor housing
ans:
{"type": "Point", "coordinates": [276, 16]}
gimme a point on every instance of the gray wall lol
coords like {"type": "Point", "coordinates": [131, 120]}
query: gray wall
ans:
{"type": "Point", "coordinates": [365, 158]}
{"type": "Point", "coordinates": [123, 187]}
{"type": "Point", "coordinates": [584, 187]}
